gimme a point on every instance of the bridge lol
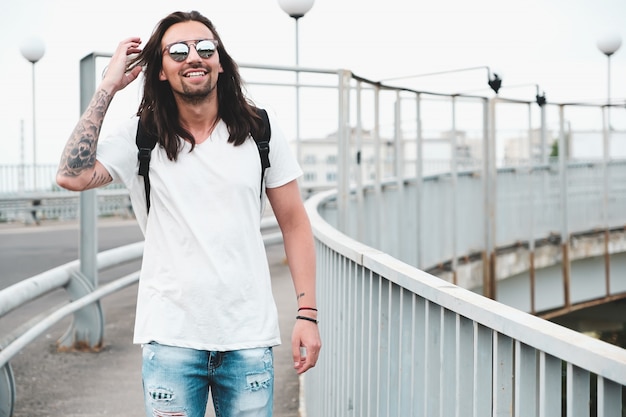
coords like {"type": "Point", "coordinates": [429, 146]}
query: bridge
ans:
{"type": "Point", "coordinates": [413, 259]}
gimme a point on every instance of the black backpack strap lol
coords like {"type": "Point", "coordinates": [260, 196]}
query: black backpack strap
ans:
{"type": "Point", "coordinates": [145, 144]}
{"type": "Point", "coordinates": [263, 144]}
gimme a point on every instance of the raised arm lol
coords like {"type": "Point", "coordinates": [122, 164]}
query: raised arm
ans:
{"type": "Point", "coordinates": [299, 247]}
{"type": "Point", "coordinates": [78, 169]}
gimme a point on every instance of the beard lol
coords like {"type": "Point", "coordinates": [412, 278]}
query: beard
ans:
{"type": "Point", "coordinates": [196, 94]}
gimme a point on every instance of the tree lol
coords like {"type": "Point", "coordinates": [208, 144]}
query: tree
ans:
{"type": "Point", "coordinates": [554, 151]}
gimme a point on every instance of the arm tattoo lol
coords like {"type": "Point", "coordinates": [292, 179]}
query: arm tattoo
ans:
{"type": "Point", "coordinates": [98, 180]}
{"type": "Point", "coordinates": [300, 296]}
{"type": "Point", "coordinates": [80, 150]}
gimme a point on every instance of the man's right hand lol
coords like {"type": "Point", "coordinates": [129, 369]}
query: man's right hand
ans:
{"type": "Point", "coordinates": [116, 76]}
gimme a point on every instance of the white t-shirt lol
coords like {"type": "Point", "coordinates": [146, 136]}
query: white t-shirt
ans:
{"type": "Point", "coordinates": [205, 282]}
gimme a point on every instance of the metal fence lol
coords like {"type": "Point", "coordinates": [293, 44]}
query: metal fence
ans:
{"type": "Point", "coordinates": [443, 218]}
{"type": "Point", "coordinates": [35, 207]}
{"type": "Point", "coordinates": [400, 342]}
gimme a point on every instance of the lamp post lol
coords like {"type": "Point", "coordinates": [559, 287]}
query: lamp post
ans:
{"type": "Point", "coordinates": [608, 45]}
{"type": "Point", "coordinates": [297, 9]}
{"type": "Point", "coordinates": [33, 49]}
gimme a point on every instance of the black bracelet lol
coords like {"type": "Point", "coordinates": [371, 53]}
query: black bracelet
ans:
{"type": "Point", "coordinates": [307, 308]}
{"type": "Point", "coordinates": [306, 318]}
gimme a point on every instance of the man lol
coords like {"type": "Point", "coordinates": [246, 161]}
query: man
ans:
{"type": "Point", "coordinates": [206, 317]}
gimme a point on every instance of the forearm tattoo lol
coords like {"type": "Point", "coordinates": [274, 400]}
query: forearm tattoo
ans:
{"type": "Point", "coordinates": [98, 180]}
{"type": "Point", "coordinates": [80, 150]}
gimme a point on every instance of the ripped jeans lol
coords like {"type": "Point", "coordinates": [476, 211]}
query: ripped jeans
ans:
{"type": "Point", "coordinates": [176, 381]}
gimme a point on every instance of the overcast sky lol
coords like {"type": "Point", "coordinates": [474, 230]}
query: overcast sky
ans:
{"type": "Point", "coordinates": [551, 43]}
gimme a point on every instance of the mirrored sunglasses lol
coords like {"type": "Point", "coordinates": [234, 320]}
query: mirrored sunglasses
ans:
{"type": "Point", "coordinates": [179, 51]}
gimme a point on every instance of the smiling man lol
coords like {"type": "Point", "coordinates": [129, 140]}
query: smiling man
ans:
{"type": "Point", "coordinates": [206, 317]}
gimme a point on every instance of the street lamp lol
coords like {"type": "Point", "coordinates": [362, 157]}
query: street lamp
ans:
{"type": "Point", "coordinates": [608, 45]}
{"type": "Point", "coordinates": [33, 49]}
{"type": "Point", "coordinates": [297, 9]}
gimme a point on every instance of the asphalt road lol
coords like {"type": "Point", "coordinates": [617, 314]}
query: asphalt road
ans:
{"type": "Point", "coordinates": [79, 384]}
{"type": "Point", "coordinates": [29, 250]}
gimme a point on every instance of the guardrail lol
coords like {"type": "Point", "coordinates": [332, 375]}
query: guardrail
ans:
{"type": "Point", "coordinates": [88, 316]}
{"type": "Point", "coordinates": [36, 206]}
{"type": "Point", "coordinates": [401, 342]}
{"type": "Point", "coordinates": [85, 305]}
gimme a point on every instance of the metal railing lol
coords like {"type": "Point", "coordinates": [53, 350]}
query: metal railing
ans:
{"type": "Point", "coordinates": [417, 223]}
{"type": "Point", "coordinates": [400, 342]}
{"type": "Point", "coordinates": [85, 306]}
{"type": "Point", "coordinates": [37, 206]}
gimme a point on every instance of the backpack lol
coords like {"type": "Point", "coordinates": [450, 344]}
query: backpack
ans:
{"type": "Point", "coordinates": [146, 143]}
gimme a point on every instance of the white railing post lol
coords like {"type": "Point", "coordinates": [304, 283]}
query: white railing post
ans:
{"type": "Point", "coordinates": [489, 187]}
{"type": "Point", "coordinates": [343, 157]}
{"type": "Point", "coordinates": [563, 156]}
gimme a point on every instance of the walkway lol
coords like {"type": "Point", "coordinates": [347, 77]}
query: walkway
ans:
{"type": "Point", "coordinates": [109, 383]}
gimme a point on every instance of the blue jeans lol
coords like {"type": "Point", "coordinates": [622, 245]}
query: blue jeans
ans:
{"type": "Point", "coordinates": [176, 382]}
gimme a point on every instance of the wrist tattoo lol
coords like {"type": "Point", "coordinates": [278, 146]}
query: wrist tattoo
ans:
{"type": "Point", "coordinates": [98, 180]}
{"type": "Point", "coordinates": [300, 296]}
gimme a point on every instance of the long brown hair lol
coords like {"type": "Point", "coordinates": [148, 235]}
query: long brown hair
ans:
{"type": "Point", "coordinates": [158, 111]}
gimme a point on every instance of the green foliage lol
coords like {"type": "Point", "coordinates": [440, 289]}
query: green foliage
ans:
{"type": "Point", "coordinates": [554, 151]}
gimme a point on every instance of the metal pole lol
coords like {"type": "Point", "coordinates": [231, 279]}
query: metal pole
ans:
{"type": "Point", "coordinates": [380, 223]}
{"type": "Point", "coordinates": [544, 136]}
{"type": "Point", "coordinates": [605, 158]}
{"type": "Point", "coordinates": [486, 198]}
{"type": "Point", "coordinates": [88, 199]}
{"type": "Point", "coordinates": [298, 144]}
{"type": "Point", "coordinates": [564, 208]}
{"type": "Point", "coordinates": [490, 280]}
{"type": "Point", "coordinates": [20, 185]}
{"type": "Point", "coordinates": [606, 152]}
{"type": "Point", "coordinates": [608, 91]}
{"type": "Point", "coordinates": [419, 179]}
{"type": "Point", "coordinates": [531, 203]}
{"type": "Point", "coordinates": [453, 190]}
{"type": "Point", "coordinates": [358, 173]}
{"type": "Point", "coordinates": [34, 136]}
{"type": "Point", "coordinates": [343, 138]}
{"type": "Point", "coordinates": [398, 247]}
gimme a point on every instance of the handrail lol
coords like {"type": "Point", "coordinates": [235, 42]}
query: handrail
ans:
{"type": "Point", "coordinates": [53, 279]}
{"type": "Point", "coordinates": [31, 206]}
{"type": "Point", "coordinates": [376, 303]}
{"type": "Point", "coordinates": [32, 288]}
{"type": "Point", "coordinates": [31, 334]}
{"type": "Point", "coordinates": [41, 195]}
